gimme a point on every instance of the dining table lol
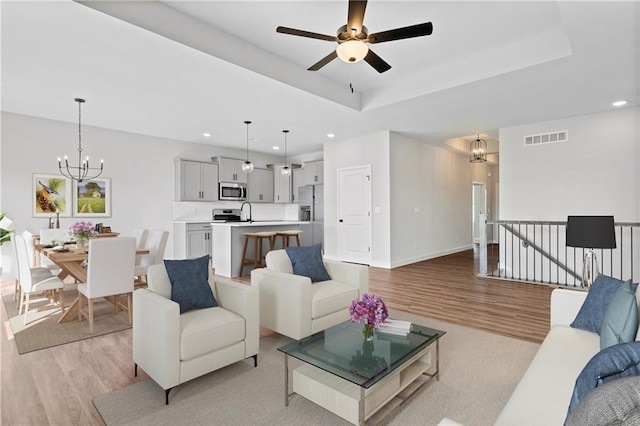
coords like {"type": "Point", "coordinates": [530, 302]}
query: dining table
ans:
{"type": "Point", "coordinates": [71, 263]}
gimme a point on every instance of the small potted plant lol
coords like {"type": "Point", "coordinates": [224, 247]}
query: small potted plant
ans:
{"type": "Point", "coordinates": [5, 233]}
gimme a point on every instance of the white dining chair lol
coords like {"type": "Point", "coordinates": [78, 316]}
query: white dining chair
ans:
{"type": "Point", "coordinates": [34, 280]}
{"type": "Point", "coordinates": [43, 270]}
{"type": "Point", "coordinates": [156, 243]}
{"type": "Point", "coordinates": [43, 261]}
{"type": "Point", "coordinates": [141, 237]}
{"type": "Point", "coordinates": [54, 236]}
{"type": "Point", "coordinates": [109, 273]}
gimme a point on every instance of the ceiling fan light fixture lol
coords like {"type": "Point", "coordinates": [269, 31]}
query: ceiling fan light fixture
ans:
{"type": "Point", "coordinates": [352, 51]}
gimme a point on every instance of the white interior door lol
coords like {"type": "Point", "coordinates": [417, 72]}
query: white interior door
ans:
{"type": "Point", "coordinates": [479, 207]}
{"type": "Point", "coordinates": [354, 214]}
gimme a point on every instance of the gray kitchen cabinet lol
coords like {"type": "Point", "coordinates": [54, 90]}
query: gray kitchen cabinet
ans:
{"type": "Point", "coordinates": [196, 181]}
{"type": "Point", "coordinates": [281, 186]}
{"type": "Point", "coordinates": [231, 170]}
{"type": "Point", "coordinates": [314, 172]}
{"type": "Point", "coordinates": [260, 186]}
{"type": "Point", "coordinates": [191, 240]}
{"type": "Point", "coordinates": [298, 180]}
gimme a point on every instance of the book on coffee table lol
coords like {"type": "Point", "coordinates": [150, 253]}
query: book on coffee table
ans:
{"type": "Point", "coordinates": [396, 327]}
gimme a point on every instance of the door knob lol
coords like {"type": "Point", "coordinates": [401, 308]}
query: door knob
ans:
{"type": "Point", "coordinates": [341, 220]}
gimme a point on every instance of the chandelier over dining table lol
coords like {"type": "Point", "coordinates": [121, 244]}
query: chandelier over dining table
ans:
{"type": "Point", "coordinates": [83, 170]}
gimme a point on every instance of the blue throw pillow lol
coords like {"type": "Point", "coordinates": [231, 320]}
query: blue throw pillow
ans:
{"type": "Point", "coordinates": [595, 305]}
{"type": "Point", "coordinates": [621, 318]}
{"type": "Point", "coordinates": [307, 261]}
{"type": "Point", "coordinates": [614, 362]}
{"type": "Point", "coordinates": [190, 283]}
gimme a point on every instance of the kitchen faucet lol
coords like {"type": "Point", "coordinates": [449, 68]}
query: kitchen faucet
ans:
{"type": "Point", "coordinates": [242, 207]}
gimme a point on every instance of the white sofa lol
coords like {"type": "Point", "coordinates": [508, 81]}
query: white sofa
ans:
{"type": "Point", "coordinates": [291, 305]}
{"type": "Point", "coordinates": [543, 394]}
{"type": "Point", "coordinates": [173, 348]}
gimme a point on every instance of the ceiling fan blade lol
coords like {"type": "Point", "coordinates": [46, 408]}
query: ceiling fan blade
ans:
{"type": "Point", "coordinates": [355, 17]}
{"type": "Point", "coordinates": [324, 61]}
{"type": "Point", "coordinates": [302, 33]}
{"type": "Point", "coordinates": [418, 30]}
{"type": "Point", "coordinates": [377, 62]}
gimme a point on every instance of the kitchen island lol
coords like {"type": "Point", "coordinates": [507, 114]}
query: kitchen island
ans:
{"type": "Point", "coordinates": [228, 242]}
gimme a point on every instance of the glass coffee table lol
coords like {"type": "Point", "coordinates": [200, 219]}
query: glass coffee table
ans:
{"type": "Point", "coordinates": [354, 378]}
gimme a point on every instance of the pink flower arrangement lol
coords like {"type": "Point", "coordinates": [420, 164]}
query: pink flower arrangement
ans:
{"type": "Point", "coordinates": [368, 309]}
{"type": "Point", "coordinates": [82, 230]}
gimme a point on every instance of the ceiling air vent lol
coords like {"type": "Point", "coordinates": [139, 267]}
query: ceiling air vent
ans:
{"type": "Point", "coordinates": [543, 138]}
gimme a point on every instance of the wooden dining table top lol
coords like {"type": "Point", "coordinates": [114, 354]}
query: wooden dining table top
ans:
{"type": "Point", "coordinates": [71, 264]}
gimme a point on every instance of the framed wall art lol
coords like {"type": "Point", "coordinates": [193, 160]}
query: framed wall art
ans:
{"type": "Point", "coordinates": [92, 198]}
{"type": "Point", "coordinates": [51, 194]}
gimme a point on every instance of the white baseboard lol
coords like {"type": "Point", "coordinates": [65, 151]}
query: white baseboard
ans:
{"type": "Point", "coordinates": [416, 259]}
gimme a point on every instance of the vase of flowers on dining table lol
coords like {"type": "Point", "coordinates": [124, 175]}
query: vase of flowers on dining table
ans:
{"type": "Point", "coordinates": [82, 231]}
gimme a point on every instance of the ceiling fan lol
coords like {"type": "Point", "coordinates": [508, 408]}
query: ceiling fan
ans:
{"type": "Point", "coordinates": [353, 38]}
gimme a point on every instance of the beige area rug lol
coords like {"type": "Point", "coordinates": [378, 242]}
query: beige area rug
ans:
{"type": "Point", "coordinates": [478, 372]}
{"type": "Point", "coordinates": [43, 331]}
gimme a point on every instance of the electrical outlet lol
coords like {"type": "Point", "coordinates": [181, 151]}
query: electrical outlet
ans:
{"type": "Point", "coordinates": [417, 245]}
{"type": "Point", "coordinates": [416, 210]}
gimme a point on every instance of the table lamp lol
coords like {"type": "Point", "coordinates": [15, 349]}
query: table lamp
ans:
{"type": "Point", "coordinates": [590, 232]}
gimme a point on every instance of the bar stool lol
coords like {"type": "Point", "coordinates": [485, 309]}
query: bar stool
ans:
{"type": "Point", "coordinates": [258, 258]}
{"type": "Point", "coordinates": [284, 235]}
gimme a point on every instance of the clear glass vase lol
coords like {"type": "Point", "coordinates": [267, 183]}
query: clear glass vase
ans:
{"type": "Point", "coordinates": [368, 332]}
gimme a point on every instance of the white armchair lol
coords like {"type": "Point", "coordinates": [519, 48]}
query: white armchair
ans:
{"type": "Point", "coordinates": [291, 305]}
{"type": "Point", "coordinates": [173, 348]}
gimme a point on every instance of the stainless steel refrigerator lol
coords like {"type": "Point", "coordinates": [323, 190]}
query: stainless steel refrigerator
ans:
{"type": "Point", "coordinates": [311, 208]}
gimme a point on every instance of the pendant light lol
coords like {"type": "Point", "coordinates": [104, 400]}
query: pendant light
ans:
{"type": "Point", "coordinates": [478, 150]}
{"type": "Point", "coordinates": [81, 171]}
{"type": "Point", "coordinates": [247, 166]}
{"type": "Point", "coordinates": [286, 170]}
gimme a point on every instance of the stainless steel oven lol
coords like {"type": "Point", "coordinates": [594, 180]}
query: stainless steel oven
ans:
{"type": "Point", "coordinates": [233, 191]}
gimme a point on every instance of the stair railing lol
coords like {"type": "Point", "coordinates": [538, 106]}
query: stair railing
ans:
{"type": "Point", "coordinates": [535, 251]}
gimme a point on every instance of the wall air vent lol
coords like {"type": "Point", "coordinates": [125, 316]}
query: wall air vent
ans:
{"type": "Point", "coordinates": [544, 138]}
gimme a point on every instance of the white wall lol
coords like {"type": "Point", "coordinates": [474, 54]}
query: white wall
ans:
{"type": "Point", "coordinates": [365, 150]}
{"type": "Point", "coordinates": [431, 195]}
{"type": "Point", "coordinates": [141, 169]}
{"type": "Point", "coordinates": [406, 174]}
{"type": "Point", "coordinates": [596, 172]}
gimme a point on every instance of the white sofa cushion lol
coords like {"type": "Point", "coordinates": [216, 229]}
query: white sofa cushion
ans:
{"type": "Point", "coordinates": [331, 296]}
{"type": "Point", "coordinates": [542, 397]}
{"type": "Point", "coordinates": [207, 330]}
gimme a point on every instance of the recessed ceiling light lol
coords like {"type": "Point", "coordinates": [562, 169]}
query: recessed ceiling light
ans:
{"type": "Point", "coordinates": [276, 148]}
{"type": "Point", "coordinates": [331, 135]}
{"type": "Point", "coordinates": [206, 134]}
{"type": "Point", "coordinates": [619, 103]}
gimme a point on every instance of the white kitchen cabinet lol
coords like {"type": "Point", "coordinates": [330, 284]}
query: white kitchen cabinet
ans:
{"type": "Point", "coordinates": [314, 173]}
{"type": "Point", "coordinates": [299, 179]}
{"type": "Point", "coordinates": [260, 186]}
{"type": "Point", "coordinates": [196, 181]}
{"type": "Point", "coordinates": [191, 240]}
{"type": "Point", "coordinates": [231, 170]}
{"type": "Point", "coordinates": [281, 186]}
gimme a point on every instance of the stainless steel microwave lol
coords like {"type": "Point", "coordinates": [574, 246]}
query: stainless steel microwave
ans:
{"type": "Point", "coordinates": [233, 191]}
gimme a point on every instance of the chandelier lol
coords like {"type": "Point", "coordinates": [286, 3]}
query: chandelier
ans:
{"type": "Point", "coordinates": [286, 170]}
{"type": "Point", "coordinates": [478, 150]}
{"type": "Point", "coordinates": [83, 171]}
{"type": "Point", "coordinates": [247, 166]}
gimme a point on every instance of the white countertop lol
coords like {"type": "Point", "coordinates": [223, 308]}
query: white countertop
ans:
{"type": "Point", "coordinates": [260, 223]}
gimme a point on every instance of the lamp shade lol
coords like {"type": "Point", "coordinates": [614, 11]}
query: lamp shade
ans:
{"type": "Point", "coordinates": [591, 232]}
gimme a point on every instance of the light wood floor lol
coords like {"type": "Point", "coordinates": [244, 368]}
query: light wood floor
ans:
{"type": "Point", "coordinates": [55, 385]}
